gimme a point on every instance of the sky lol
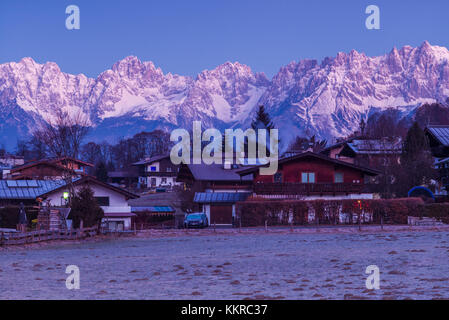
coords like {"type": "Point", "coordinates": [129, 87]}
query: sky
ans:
{"type": "Point", "coordinates": [187, 37]}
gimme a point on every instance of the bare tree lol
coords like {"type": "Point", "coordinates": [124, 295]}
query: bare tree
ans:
{"type": "Point", "coordinates": [64, 135]}
{"type": "Point", "coordinates": [62, 138]}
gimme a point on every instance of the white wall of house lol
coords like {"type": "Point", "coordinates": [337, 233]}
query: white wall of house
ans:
{"type": "Point", "coordinates": [117, 201]}
{"type": "Point", "coordinates": [159, 181]}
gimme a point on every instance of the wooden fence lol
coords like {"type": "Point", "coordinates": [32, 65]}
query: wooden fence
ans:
{"type": "Point", "coordinates": [46, 235]}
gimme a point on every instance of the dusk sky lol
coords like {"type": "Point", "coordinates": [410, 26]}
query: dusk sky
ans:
{"type": "Point", "coordinates": [186, 37]}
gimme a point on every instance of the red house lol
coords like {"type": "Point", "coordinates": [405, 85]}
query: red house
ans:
{"type": "Point", "coordinates": [50, 169]}
{"type": "Point", "coordinates": [311, 176]}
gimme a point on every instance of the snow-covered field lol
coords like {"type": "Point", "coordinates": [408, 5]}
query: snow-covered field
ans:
{"type": "Point", "coordinates": [235, 266]}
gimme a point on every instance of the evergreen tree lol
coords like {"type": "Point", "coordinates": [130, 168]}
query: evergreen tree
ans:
{"type": "Point", "coordinates": [85, 207]}
{"type": "Point", "coordinates": [262, 120]}
{"type": "Point", "coordinates": [416, 160]}
{"type": "Point", "coordinates": [101, 172]}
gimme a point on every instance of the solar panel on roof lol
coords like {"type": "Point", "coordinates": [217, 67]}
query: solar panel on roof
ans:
{"type": "Point", "coordinates": [22, 184]}
{"type": "Point", "coordinates": [11, 184]}
{"type": "Point", "coordinates": [32, 183]}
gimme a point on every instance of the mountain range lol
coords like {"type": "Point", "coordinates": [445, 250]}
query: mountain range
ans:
{"type": "Point", "coordinates": [326, 98]}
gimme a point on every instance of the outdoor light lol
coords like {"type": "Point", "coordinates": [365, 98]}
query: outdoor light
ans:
{"type": "Point", "coordinates": [65, 195]}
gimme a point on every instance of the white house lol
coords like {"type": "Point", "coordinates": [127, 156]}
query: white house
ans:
{"type": "Point", "coordinates": [113, 200]}
{"type": "Point", "coordinates": [157, 172]}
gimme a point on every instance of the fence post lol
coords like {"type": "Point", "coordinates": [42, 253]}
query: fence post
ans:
{"type": "Point", "coordinates": [1, 239]}
{"type": "Point", "coordinates": [214, 226]}
{"type": "Point", "coordinates": [266, 225]}
{"type": "Point", "coordinates": [381, 221]}
{"type": "Point", "coordinates": [360, 221]}
{"type": "Point", "coordinates": [81, 228]}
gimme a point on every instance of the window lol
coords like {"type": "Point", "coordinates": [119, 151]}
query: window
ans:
{"type": "Point", "coordinates": [308, 177]}
{"type": "Point", "coordinates": [153, 168]}
{"type": "Point", "coordinates": [102, 201]}
{"type": "Point", "coordinates": [169, 169]}
{"type": "Point", "coordinates": [164, 180]}
{"type": "Point", "coordinates": [278, 177]}
{"type": "Point", "coordinates": [338, 177]}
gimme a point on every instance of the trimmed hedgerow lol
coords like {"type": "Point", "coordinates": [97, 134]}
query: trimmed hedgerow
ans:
{"type": "Point", "coordinates": [300, 212]}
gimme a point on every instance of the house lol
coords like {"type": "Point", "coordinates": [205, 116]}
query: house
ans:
{"type": "Point", "coordinates": [311, 176]}
{"type": "Point", "coordinates": [373, 153]}
{"type": "Point", "coordinates": [438, 137]}
{"type": "Point", "coordinates": [113, 200]}
{"type": "Point", "coordinates": [215, 189]}
{"type": "Point", "coordinates": [49, 169]}
{"type": "Point", "coordinates": [157, 172]}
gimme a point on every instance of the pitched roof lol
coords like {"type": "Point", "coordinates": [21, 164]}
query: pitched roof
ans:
{"type": "Point", "coordinates": [216, 172]}
{"type": "Point", "coordinates": [313, 155]}
{"type": "Point", "coordinates": [88, 179]}
{"type": "Point", "coordinates": [27, 189]}
{"type": "Point", "coordinates": [150, 160]}
{"type": "Point", "coordinates": [220, 197]}
{"type": "Point", "coordinates": [32, 189]}
{"type": "Point", "coordinates": [375, 146]}
{"type": "Point", "coordinates": [441, 133]}
{"type": "Point", "coordinates": [51, 162]}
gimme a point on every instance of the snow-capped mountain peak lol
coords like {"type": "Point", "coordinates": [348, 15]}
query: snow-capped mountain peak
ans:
{"type": "Point", "coordinates": [326, 98]}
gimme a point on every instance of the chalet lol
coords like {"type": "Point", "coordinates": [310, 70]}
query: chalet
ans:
{"type": "Point", "coordinates": [215, 189]}
{"type": "Point", "coordinates": [113, 200]}
{"type": "Point", "coordinates": [49, 169]}
{"type": "Point", "coordinates": [438, 137]}
{"type": "Point", "coordinates": [157, 172]}
{"type": "Point", "coordinates": [310, 176]}
{"type": "Point", "coordinates": [374, 153]}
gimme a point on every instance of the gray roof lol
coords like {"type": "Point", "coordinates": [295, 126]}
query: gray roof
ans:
{"type": "Point", "coordinates": [441, 133]}
{"type": "Point", "coordinates": [150, 160]}
{"type": "Point", "coordinates": [220, 197]}
{"type": "Point", "coordinates": [217, 172]}
{"type": "Point", "coordinates": [27, 189]}
{"type": "Point", "coordinates": [376, 146]}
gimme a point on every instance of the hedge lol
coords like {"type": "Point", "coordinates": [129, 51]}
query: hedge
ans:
{"type": "Point", "coordinates": [255, 212]}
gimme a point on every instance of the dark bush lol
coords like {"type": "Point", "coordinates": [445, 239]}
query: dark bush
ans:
{"type": "Point", "coordinates": [85, 207]}
{"type": "Point", "coordinates": [9, 217]}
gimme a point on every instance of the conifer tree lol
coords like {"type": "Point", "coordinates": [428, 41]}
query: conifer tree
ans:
{"type": "Point", "coordinates": [262, 120]}
{"type": "Point", "coordinates": [416, 160]}
{"type": "Point", "coordinates": [85, 207]}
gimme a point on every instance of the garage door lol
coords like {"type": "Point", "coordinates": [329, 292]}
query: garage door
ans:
{"type": "Point", "coordinates": [221, 214]}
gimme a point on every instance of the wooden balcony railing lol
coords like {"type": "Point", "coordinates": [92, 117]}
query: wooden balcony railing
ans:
{"type": "Point", "coordinates": [306, 188]}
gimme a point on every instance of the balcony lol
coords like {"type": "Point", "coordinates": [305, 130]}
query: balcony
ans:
{"type": "Point", "coordinates": [306, 188]}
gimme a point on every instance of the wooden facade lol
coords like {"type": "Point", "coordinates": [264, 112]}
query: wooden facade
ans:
{"type": "Point", "coordinates": [311, 174]}
{"type": "Point", "coordinates": [46, 169]}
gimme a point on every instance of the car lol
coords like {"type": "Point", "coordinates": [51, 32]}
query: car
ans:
{"type": "Point", "coordinates": [196, 220]}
